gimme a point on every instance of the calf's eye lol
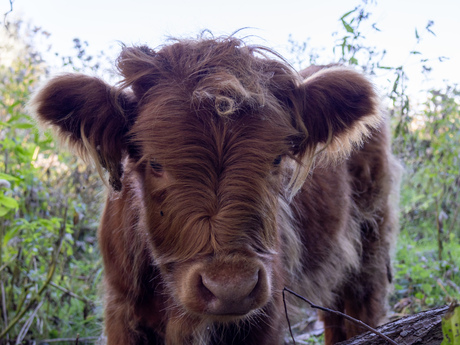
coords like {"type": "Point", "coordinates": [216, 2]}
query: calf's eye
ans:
{"type": "Point", "coordinates": [277, 161]}
{"type": "Point", "coordinates": [157, 168]}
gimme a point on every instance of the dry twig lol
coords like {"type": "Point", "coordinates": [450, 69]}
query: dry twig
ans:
{"type": "Point", "coordinates": [349, 318]}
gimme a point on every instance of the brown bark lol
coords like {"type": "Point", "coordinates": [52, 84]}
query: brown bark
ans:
{"type": "Point", "coordinates": [419, 329]}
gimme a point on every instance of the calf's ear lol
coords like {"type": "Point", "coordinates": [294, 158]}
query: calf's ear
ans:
{"type": "Point", "coordinates": [337, 107]}
{"type": "Point", "coordinates": [91, 116]}
{"type": "Point", "coordinates": [334, 109]}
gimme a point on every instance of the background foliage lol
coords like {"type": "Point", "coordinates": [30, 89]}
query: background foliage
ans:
{"type": "Point", "coordinates": [50, 268]}
{"type": "Point", "coordinates": [426, 139]}
{"type": "Point", "coordinates": [49, 265]}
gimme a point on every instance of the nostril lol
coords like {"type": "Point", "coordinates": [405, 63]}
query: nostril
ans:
{"type": "Point", "coordinates": [206, 294]}
{"type": "Point", "coordinates": [255, 287]}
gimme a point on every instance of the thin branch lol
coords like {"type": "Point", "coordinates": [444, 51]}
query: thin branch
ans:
{"type": "Point", "coordinates": [287, 316]}
{"type": "Point", "coordinates": [70, 340]}
{"type": "Point", "coordinates": [440, 228]}
{"type": "Point", "coordinates": [454, 219]}
{"type": "Point", "coordinates": [70, 293]}
{"type": "Point", "coordinates": [27, 324]}
{"type": "Point", "coordinates": [7, 13]}
{"type": "Point", "coordinates": [349, 318]}
{"type": "Point", "coordinates": [5, 313]}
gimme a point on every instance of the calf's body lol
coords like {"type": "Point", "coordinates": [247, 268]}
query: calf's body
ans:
{"type": "Point", "coordinates": [231, 177]}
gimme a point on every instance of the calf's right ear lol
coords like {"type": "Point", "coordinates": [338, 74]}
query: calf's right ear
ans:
{"type": "Point", "coordinates": [93, 117]}
{"type": "Point", "coordinates": [338, 108]}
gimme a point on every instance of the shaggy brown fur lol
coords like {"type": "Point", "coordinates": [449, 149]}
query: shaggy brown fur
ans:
{"type": "Point", "coordinates": [216, 203]}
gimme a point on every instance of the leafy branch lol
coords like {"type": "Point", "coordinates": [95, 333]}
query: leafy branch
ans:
{"type": "Point", "coordinates": [36, 298]}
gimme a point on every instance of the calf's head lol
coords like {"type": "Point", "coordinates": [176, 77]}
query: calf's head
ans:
{"type": "Point", "coordinates": [217, 138]}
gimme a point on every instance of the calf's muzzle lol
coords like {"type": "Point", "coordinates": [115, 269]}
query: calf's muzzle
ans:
{"type": "Point", "coordinates": [235, 295]}
{"type": "Point", "coordinates": [225, 287]}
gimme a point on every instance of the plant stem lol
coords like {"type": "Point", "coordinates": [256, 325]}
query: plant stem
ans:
{"type": "Point", "coordinates": [440, 230]}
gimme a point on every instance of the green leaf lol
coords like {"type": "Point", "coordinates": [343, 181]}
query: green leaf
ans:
{"type": "Point", "coordinates": [348, 13]}
{"type": "Point", "coordinates": [23, 125]}
{"type": "Point", "coordinates": [14, 105]}
{"type": "Point", "coordinates": [429, 301]}
{"type": "Point", "coordinates": [353, 61]}
{"type": "Point", "coordinates": [8, 202]}
{"type": "Point", "coordinates": [451, 326]}
{"type": "Point", "coordinates": [7, 177]}
{"type": "Point", "coordinates": [427, 288]}
{"type": "Point", "coordinates": [348, 27]}
{"type": "Point", "coordinates": [419, 295]}
{"type": "Point", "coordinates": [9, 235]}
{"type": "Point", "coordinates": [3, 210]}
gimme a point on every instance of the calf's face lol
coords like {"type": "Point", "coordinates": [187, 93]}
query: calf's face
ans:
{"type": "Point", "coordinates": [219, 138]}
{"type": "Point", "coordinates": [212, 187]}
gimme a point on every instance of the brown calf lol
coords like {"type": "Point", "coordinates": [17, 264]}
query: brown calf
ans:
{"type": "Point", "coordinates": [231, 177]}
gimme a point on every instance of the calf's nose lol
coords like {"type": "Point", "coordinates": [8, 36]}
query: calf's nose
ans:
{"type": "Point", "coordinates": [234, 295]}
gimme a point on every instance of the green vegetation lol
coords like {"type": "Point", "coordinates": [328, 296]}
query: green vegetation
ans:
{"type": "Point", "coordinates": [428, 258]}
{"type": "Point", "coordinates": [50, 268]}
{"type": "Point", "coordinates": [49, 263]}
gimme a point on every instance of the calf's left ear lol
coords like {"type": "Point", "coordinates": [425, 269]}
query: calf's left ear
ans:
{"type": "Point", "coordinates": [337, 108]}
{"type": "Point", "coordinates": [91, 116]}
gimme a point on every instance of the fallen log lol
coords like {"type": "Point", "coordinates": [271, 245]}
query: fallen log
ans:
{"type": "Point", "coordinates": [423, 328]}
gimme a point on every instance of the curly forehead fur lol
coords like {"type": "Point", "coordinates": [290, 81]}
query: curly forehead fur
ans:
{"type": "Point", "coordinates": [222, 72]}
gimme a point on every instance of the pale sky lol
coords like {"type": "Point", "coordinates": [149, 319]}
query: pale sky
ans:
{"type": "Point", "coordinates": [105, 23]}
